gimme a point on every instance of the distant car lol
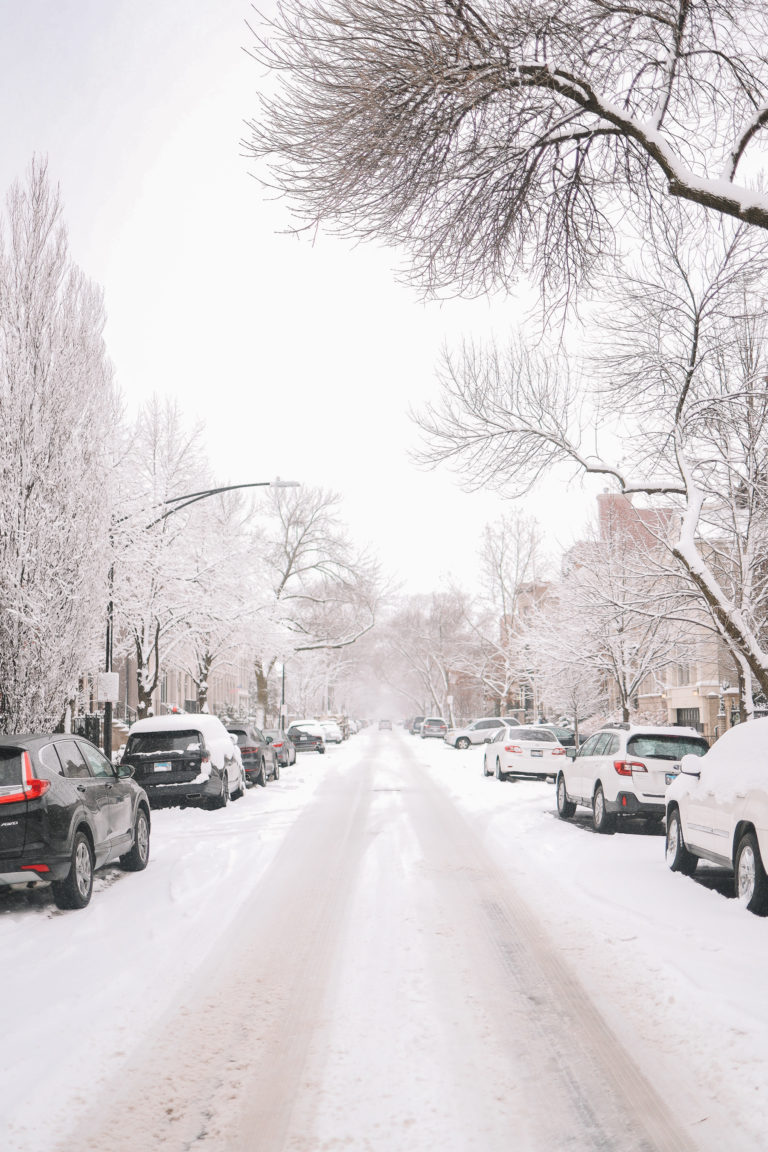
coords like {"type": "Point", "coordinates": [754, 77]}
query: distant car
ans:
{"type": "Point", "coordinates": [64, 812]}
{"type": "Point", "coordinates": [479, 731]}
{"type": "Point", "coordinates": [260, 759]}
{"type": "Point", "coordinates": [385, 725]}
{"type": "Point", "coordinates": [621, 771]}
{"type": "Point", "coordinates": [286, 753]}
{"type": "Point", "coordinates": [185, 759]}
{"type": "Point", "coordinates": [416, 724]}
{"type": "Point", "coordinates": [332, 730]}
{"type": "Point", "coordinates": [566, 736]}
{"type": "Point", "coordinates": [307, 736]}
{"type": "Point", "coordinates": [523, 753]}
{"type": "Point", "coordinates": [717, 811]}
{"type": "Point", "coordinates": [433, 726]}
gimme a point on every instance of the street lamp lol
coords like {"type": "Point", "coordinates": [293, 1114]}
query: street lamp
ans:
{"type": "Point", "coordinates": [177, 503]}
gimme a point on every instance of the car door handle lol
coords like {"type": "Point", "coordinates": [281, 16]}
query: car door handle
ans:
{"type": "Point", "coordinates": [81, 788]}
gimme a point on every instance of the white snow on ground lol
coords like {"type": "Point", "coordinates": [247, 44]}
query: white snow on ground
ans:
{"type": "Point", "coordinates": [676, 966]}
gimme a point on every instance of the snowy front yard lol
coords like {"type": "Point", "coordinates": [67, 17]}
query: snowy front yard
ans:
{"type": "Point", "coordinates": [675, 966]}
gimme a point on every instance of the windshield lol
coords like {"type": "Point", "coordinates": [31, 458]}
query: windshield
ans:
{"type": "Point", "coordinates": [165, 743]}
{"type": "Point", "coordinates": [666, 747]}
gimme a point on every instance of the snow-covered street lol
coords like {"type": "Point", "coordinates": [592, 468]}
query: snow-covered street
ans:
{"type": "Point", "coordinates": [384, 950]}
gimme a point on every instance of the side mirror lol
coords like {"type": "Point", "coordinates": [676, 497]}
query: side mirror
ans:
{"type": "Point", "coordinates": [268, 739]}
{"type": "Point", "coordinates": [570, 753]}
{"type": "Point", "coordinates": [691, 766]}
{"type": "Point", "coordinates": [125, 770]}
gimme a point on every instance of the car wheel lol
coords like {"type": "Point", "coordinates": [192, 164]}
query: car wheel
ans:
{"type": "Point", "coordinates": [462, 743]}
{"type": "Point", "coordinates": [485, 767]}
{"type": "Point", "coordinates": [602, 820]}
{"type": "Point", "coordinates": [137, 859]}
{"type": "Point", "coordinates": [75, 891]}
{"type": "Point", "coordinates": [262, 776]}
{"type": "Point", "coordinates": [240, 790]}
{"type": "Point", "coordinates": [499, 774]}
{"type": "Point", "coordinates": [750, 879]}
{"type": "Point", "coordinates": [222, 799]}
{"type": "Point", "coordinates": [321, 751]}
{"type": "Point", "coordinates": [677, 855]}
{"type": "Point", "coordinates": [276, 773]}
{"type": "Point", "coordinates": [565, 807]}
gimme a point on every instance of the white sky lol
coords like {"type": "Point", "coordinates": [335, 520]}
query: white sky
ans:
{"type": "Point", "coordinates": [302, 359]}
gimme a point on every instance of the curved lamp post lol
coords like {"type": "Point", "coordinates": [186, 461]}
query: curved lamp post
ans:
{"type": "Point", "coordinates": [176, 504]}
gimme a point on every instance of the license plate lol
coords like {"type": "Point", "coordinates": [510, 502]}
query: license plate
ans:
{"type": "Point", "coordinates": [162, 766]}
{"type": "Point", "coordinates": [536, 752]}
{"type": "Point", "coordinates": [673, 773]}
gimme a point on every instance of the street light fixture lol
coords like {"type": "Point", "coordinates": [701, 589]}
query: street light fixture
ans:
{"type": "Point", "coordinates": [177, 503]}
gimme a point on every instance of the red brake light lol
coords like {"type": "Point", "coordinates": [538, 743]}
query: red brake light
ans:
{"type": "Point", "coordinates": [558, 751]}
{"type": "Point", "coordinates": [513, 748]}
{"type": "Point", "coordinates": [627, 767]}
{"type": "Point", "coordinates": [248, 750]}
{"type": "Point", "coordinates": [31, 787]}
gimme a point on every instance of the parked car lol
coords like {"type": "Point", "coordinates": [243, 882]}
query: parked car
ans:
{"type": "Point", "coordinates": [385, 725]}
{"type": "Point", "coordinates": [621, 771]}
{"type": "Point", "coordinates": [478, 731]}
{"type": "Point", "coordinates": [284, 749]}
{"type": "Point", "coordinates": [64, 812]}
{"type": "Point", "coordinates": [717, 810]}
{"type": "Point", "coordinates": [566, 736]}
{"type": "Point", "coordinates": [260, 760]}
{"type": "Point", "coordinates": [433, 726]}
{"type": "Point", "coordinates": [307, 736]}
{"type": "Point", "coordinates": [416, 724]}
{"type": "Point", "coordinates": [332, 731]}
{"type": "Point", "coordinates": [533, 753]}
{"type": "Point", "coordinates": [185, 758]}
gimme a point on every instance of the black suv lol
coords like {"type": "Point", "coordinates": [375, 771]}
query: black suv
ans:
{"type": "Point", "coordinates": [65, 811]}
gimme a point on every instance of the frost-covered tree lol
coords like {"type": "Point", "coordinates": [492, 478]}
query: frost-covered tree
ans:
{"type": "Point", "coordinates": [323, 592]}
{"type": "Point", "coordinates": [510, 134]}
{"type": "Point", "coordinates": [157, 560]}
{"type": "Point", "coordinates": [57, 404]}
{"type": "Point", "coordinates": [670, 408]}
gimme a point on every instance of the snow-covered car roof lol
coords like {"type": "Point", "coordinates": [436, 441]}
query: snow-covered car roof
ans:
{"type": "Point", "coordinates": [179, 722]}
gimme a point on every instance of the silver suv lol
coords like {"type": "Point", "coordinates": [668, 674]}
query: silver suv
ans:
{"type": "Point", "coordinates": [621, 771]}
{"type": "Point", "coordinates": [479, 731]}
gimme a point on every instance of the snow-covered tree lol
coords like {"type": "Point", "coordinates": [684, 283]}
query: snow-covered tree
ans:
{"type": "Point", "coordinates": [672, 386]}
{"type": "Point", "coordinates": [321, 592]}
{"type": "Point", "coordinates": [57, 404]}
{"type": "Point", "coordinates": [510, 134]}
{"type": "Point", "coordinates": [157, 560]}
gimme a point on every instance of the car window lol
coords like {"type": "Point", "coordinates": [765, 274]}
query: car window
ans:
{"type": "Point", "coordinates": [98, 764]}
{"type": "Point", "coordinates": [168, 743]}
{"type": "Point", "coordinates": [666, 747]}
{"type": "Point", "coordinates": [604, 741]}
{"type": "Point", "coordinates": [612, 746]}
{"type": "Point", "coordinates": [72, 761]}
{"type": "Point", "coordinates": [481, 724]}
{"type": "Point", "coordinates": [10, 767]}
{"type": "Point", "coordinates": [240, 735]}
{"type": "Point", "coordinates": [588, 747]}
{"type": "Point", "coordinates": [49, 758]}
{"type": "Point", "coordinates": [540, 735]}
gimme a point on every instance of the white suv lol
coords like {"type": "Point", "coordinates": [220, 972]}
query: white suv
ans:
{"type": "Point", "coordinates": [479, 731]}
{"type": "Point", "coordinates": [622, 770]}
{"type": "Point", "coordinates": [717, 810]}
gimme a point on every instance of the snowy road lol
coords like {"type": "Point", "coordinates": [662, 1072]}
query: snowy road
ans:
{"type": "Point", "coordinates": [405, 967]}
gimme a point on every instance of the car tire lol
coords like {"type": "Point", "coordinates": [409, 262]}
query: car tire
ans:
{"type": "Point", "coordinates": [321, 751]}
{"type": "Point", "coordinates": [276, 773]}
{"type": "Point", "coordinates": [137, 859]}
{"type": "Point", "coordinates": [485, 768]}
{"type": "Point", "coordinates": [462, 744]}
{"type": "Point", "coordinates": [750, 880]}
{"type": "Point", "coordinates": [262, 776]}
{"type": "Point", "coordinates": [240, 790]}
{"type": "Point", "coordinates": [75, 891]}
{"type": "Point", "coordinates": [222, 799]}
{"type": "Point", "coordinates": [499, 774]}
{"type": "Point", "coordinates": [678, 858]}
{"type": "Point", "coordinates": [602, 820]}
{"type": "Point", "coordinates": [565, 807]}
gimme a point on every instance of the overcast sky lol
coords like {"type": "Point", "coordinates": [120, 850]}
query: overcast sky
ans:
{"type": "Point", "coordinates": [302, 359]}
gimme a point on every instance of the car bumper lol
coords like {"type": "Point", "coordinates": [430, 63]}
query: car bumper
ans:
{"type": "Point", "coordinates": [14, 874]}
{"type": "Point", "coordinates": [627, 804]}
{"type": "Point", "coordinates": [199, 792]}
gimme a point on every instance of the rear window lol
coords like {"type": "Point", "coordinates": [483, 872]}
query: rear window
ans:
{"type": "Point", "coordinates": [240, 734]}
{"type": "Point", "coordinates": [167, 743]}
{"type": "Point", "coordinates": [541, 735]}
{"type": "Point", "coordinates": [10, 766]}
{"type": "Point", "coordinates": [667, 747]}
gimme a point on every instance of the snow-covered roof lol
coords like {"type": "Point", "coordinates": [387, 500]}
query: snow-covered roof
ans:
{"type": "Point", "coordinates": [181, 722]}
